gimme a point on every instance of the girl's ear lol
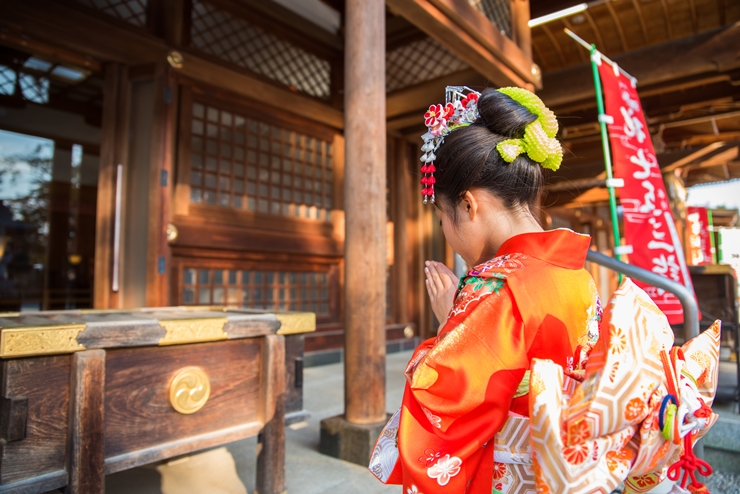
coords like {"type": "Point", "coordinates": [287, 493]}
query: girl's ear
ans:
{"type": "Point", "coordinates": [469, 206]}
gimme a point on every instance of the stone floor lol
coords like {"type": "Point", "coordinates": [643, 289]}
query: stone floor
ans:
{"type": "Point", "coordinates": [231, 469]}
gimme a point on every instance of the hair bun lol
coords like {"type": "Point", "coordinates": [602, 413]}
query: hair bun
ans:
{"type": "Point", "coordinates": [503, 115]}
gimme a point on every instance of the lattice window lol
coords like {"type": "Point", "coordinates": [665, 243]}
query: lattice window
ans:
{"type": "Point", "coordinates": [7, 80]}
{"type": "Point", "coordinates": [272, 290]}
{"type": "Point", "coordinates": [234, 40]}
{"type": "Point", "coordinates": [242, 163]}
{"type": "Point", "coordinates": [35, 88]}
{"type": "Point", "coordinates": [497, 11]}
{"type": "Point", "coordinates": [131, 11]}
{"type": "Point", "coordinates": [419, 61]}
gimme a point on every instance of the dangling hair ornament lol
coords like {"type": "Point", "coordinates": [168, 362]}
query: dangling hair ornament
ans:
{"type": "Point", "coordinates": [461, 110]}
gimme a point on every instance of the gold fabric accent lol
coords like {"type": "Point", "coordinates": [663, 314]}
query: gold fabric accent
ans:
{"type": "Point", "coordinates": [189, 390]}
{"type": "Point", "coordinates": [179, 331]}
{"type": "Point", "coordinates": [42, 340]}
{"type": "Point", "coordinates": [296, 322]}
{"type": "Point", "coordinates": [523, 388]}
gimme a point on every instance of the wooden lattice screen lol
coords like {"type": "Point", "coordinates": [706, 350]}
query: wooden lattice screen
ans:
{"type": "Point", "coordinates": [245, 164]}
{"type": "Point", "coordinates": [497, 11]}
{"type": "Point", "coordinates": [417, 62]}
{"type": "Point", "coordinates": [274, 290]}
{"type": "Point", "coordinates": [232, 39]}
{"type": "Point", "coordinates": [131, 11]}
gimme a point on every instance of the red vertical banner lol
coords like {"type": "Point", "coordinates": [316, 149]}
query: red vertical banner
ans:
{"type": "Point", "coordinates": [648, 223]}
{"type": "Point", "coordinates": [700, 244]}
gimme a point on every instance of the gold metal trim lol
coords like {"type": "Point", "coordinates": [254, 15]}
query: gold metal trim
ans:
{"type": "Point", "coordinates": [189, 390]}
{"type": "Point", "coordinates": [296, 322]}
{"type": "Point", "coordinates": [40, 340]}
{"type": "Point", "coordinates": [180, 331]}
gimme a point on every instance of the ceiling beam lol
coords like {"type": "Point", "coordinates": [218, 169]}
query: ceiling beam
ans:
{"type": "Point", "coordinates": [498, 67]}
{"type": "Point", "coordinates": [711, 52]}
{"type": "Point", "coordinates": [487, 34]}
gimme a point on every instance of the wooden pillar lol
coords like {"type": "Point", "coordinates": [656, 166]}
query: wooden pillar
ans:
{"type": "Point", "coordinates": [364, 205]}
{"type": "Point", "coordinates": [400, 240]}
{"type": "Point", "coordinates": [85, 441]}
{"type": "Point", "coordinates": [113, 150]}
{"type": "Point", "coordinates": [521, 33]}
{"type": "Point", "coordinates": [160, 185]}
{"type": "Point", "coordinates": [271, 451]}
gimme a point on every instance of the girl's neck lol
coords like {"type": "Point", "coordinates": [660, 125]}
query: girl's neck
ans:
{"type": "Point", "coordinates": [507, 226]}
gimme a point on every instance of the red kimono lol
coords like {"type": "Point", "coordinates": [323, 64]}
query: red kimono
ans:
{"type": "Point", "coordinates": [534, 300]}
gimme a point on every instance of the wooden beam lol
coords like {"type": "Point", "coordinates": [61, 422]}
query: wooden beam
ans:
{"type": "Point", "coordinates": [719, 159]}
{"type": "Point", "coordinates": [555, 43]}
{"type": "Point", "coordinates": [400, 32]}
{"type": "Point", "coordinates": [106, 41]}
{"type": "Point", "coordinates": [420, 96]}
{"type": "Point", "coordinates": [440, 27]}
{"type": "Point", "coordinates": [585, 183]}
{"type": "Point", "coordinates": [692, 12]}
{"type": "Point", "coordinates": [620, 31]}
{"type": "Point", "coordinates": [405, 121]}
{"type": "Point", "coordinates": [477, 25]}
{"type": "Point", "coordinates": [521, 33]}
{"type": "Point", "coordinates": [703, 139]}
{"type": "Point", "coordinates": [707, 54]}
{"type": "Point", "coordinates": [638, 9]}
{"type": "Point", "coordinates": [667, 19]}
{"type": "Point", "coordinates": [582, 54]}
{"type": "Point", "coordinates": [542, 60]}
{"type": "Point", "coordinates": [595, 29]}
{"type": "Point", "coordinates": [50, 51]}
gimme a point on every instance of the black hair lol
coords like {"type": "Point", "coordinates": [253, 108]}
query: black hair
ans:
{"type": "Point", "coordinates": [468, 159]}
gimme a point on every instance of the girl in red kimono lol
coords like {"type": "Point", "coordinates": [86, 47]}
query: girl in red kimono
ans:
{"type": "Point", "coordinates": [527, 295]}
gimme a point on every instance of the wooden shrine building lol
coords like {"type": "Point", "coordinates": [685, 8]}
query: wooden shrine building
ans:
{"type": "Point", "coordinates": [195, 149]}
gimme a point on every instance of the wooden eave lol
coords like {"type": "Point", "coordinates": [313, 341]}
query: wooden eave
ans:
{"type": "Point", "coordinates": [38, 22]}
{"type": "Point", "coordinates": [470, 36]}
{"type": "Point", "coordinates": [711, 52]}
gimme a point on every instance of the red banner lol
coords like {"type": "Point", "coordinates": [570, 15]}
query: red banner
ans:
{"type": "Point", "coordinates": [648, 223]}
{"type": "Point", "coordinates": [700, 244]}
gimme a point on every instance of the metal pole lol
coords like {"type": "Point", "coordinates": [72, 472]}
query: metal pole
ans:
{"type": "Point", "coordinates": [683, 294]}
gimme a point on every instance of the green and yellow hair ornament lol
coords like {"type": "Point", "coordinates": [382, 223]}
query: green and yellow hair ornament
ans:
{"type": "Point", "coordinates": [539, 142]}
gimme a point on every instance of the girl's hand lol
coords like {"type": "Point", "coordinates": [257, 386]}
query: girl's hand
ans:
{"type": "Point", "coordinates": [441, 285]}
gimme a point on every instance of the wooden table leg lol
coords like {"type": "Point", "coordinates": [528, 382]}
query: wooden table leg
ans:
{"type": "Point", "coordinates": [85, 439]}
{"type": "Point", "coordinates": [271, 448]}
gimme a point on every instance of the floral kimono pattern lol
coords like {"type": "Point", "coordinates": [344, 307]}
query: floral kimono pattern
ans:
{"type": "Point", "coordinates": [534, 300]}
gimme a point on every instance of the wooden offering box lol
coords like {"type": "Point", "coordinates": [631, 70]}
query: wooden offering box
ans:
{"type": "Point", "coordinates": [88, 393]}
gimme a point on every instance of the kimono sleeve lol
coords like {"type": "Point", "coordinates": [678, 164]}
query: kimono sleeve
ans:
{"type": "Point", "coordinates": [458, 396]}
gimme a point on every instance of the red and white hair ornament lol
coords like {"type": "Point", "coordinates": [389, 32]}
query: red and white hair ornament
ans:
{"type": "Point", "coordinates": [460, 110]}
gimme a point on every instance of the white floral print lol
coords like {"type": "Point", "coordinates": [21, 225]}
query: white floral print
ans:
{"type": "Point", "coordinates": [445, 468]}
{"type": "Point", "coordinates": [433, 419]}
{"type": "Point", "coordinates": [412, 490]}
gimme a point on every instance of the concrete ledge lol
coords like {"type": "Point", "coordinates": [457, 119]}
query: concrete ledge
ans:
{"type": "Point", "coordinates": [348, 441]}
{"type": "Point", "coordinates": [724, 434]}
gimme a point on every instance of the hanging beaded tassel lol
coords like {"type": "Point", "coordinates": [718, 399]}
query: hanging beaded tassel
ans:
{"type": "Point", "coordinates": [459, 110]}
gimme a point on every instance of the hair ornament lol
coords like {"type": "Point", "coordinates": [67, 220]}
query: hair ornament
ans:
{"type": "Point", "coordinates": [460, 110]}
{"type": "Point", "coordinates": [539, 142]}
